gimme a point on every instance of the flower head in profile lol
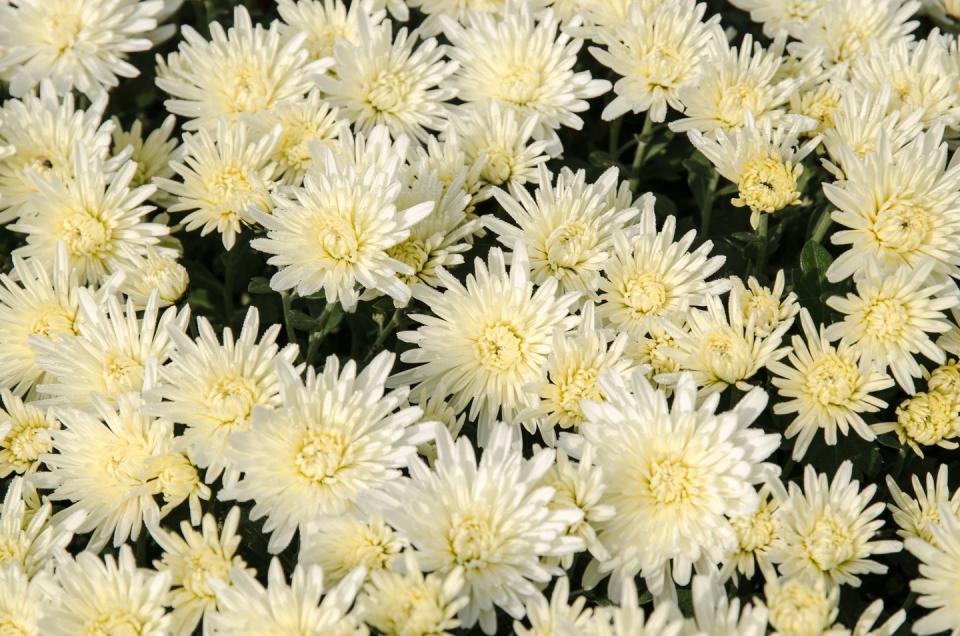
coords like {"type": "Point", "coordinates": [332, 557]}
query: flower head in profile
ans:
{"type": "Point", "coordinates": [154, 270]}
{"type": "Point", "coordinates": [76, 44]}
{"type": "Point", "coordinates": [675, 475]}
{"type": "Point", "coordinates": [337, 434]}
{"type": "Point", "coordinates": [487, 338]}
{"type": "Point", "coordinates": [303, 123]}
{"type": "Point", "coordinates": [798, 606]}
{"type": "Point", "coordinates": [488, 515]}
{"type": "Point", "coordinates": [27, 436]}
{"type": "Point", "coordinates": [915, 516]}
{"type": "Point", "coordinates": [925, 419]}
{"type": "Point", "coordinates": [827, 386]}
{"type": "Point", "coordinates": [342, 543]}
{"type": "Point", "coordinates": [757, 533]}
{"type": "Point", "coordinates": [765, 307]}
{"type": "Point", "coordinates": [29, 534]}
{"type": "Point", "coordinates": [939, 567]}
{"type": "Point", "coordinates": [828, 529]}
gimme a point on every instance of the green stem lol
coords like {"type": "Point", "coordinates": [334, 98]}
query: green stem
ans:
{"type": "Point", "coordinates": [823, 224]}
{"type": "Point", "coordinates": [316, 338]}
{"type": "Point", "coordinates": [385, 332]}
{"type": "Point", "coordinates": [288, 316]}
{"type": "Point", "coordinates": [641, 153]}
{"type": "Point", "coordinates": [615, 127]}
{"type": "Point", "coordinates": [706, 213]}
{"type": "Point", "coordinates": [762, 228]}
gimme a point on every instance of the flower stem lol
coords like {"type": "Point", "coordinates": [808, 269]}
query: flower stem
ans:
{"type": "Point", "coordinates": [762, 240]}
{"type": "Point", "coordinates": [823, 224]}
{"type": "Point", "coordinates": [614, 148]}
{"type": "Point", "coordinates": [288, 316]}
{"type": "Point", "coordinates": [641, 153]}
{"type": "Point", "coordinates": [385, 332]}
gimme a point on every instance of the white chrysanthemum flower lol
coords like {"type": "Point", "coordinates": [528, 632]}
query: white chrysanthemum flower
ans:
{"type": "Point", "coordinates": [29, 536]}
{"type": "Point", "coordinates": [110, 466]}
{"type": "Point", "coordinates": [491, 517]}
{"type": "Point", "coordinates": [716, 615]}
{"type": "Point", "coordinates": [735, 82]}
{"type": "Point", "coordinates": [46, 129]}
{"type": "Point", "coordinates": [925, 419]}
{"type": "Point", "coordinates": [462, 10]}
{"type": "Point", "coordinates": [722, 349]}
{"type": "Point", "coordinates": [448, 159]}
{"type": "Point", "coordinates": [651, 277]}
{"type": "Point", "coordinates": [401, 603]}
{"type": "Point", "coordinates": [336, 435]}
{"type": "Point", "coordinates": [34, 303]}
{"type": "Point", "coordinates": [391, 81]}
{"type": "Point", "coordinates": [26, 438]}
{"type": "Point", "coordinates": [765, 163]}
{"type": "Point", "coordinates": [226, 176]}
{"type": "Point", "coordinates": [486, 339]}
{"type": "Point", "coordinates": [570, 376]}
{"type": "Point", "coordinates": [110, 353]}
{"type": "Point", "coordinates": [152, 153]}
{"type": "Point", "coordinates": [655, 352]}
{"type": "Point", "coordinates": [303, 123]}
{"type": "Point", "coordinates": [939, 568]}
{"type": "Point", "coordinates": [757, 533]}
{"type": "Point", "coordinates": [76, 44]}
{"type": "Point", "coordinates": [827, 387]}
{"type": "Point", "coordinates": [827, 529]}
{"type": "Point", "coordinates": [524, 64]}
{"type": "Point", "coordinates": [193, 559]}
{"type": "Point", "coordinates": [498, 145]}
{"type": "Point", "coordinates": [675, 475]}
{"type": "Point", "coordinates": [889, 318]}
{"type": "Point", "coordinates": [844, 29]}
{"type": "Point", "coordinates": [629, 618]}
{"type": "Point", "coordinates": [340, 544]}
{"type": "Point", "coordinates": [22, 602]}
{"type": "Point", "coordinates": [898, 209]}
{"type": "Point", "coordinates": [566, 228]}
{"type": "Point", "coordinates": [245, 71]}
{"type": "Point", "coordinates": [801, 606]}
{"type": "Point", "coordinates": [819, 104]}
{"type": "Point", "coordinates": [915, 517]}
{"type": "Point", "coordinates": [657, 53]}
{"type": "Point", "coordinates": [101, 222]}
{"type": "Point", "coordinates": [556, 615]}
{"type": "Point", "coordinates": [765, 307]}
{"type": "Point", "coordinates": [109, 596]}
{"type": "Point", "coordinates": [945, 379]}
{"type": "Point", "coordinates": [780, 16]}
{"type": "Point", "coordinates": [155, 270]}
{"type": "Point", "coordinates": [860, 122]}
{"type": "Point", "coordinates": [212, 388]}
{"type": "Point", "coordinates": [325, 22]}
{"type": "Point", "coordinates": [302, 607]}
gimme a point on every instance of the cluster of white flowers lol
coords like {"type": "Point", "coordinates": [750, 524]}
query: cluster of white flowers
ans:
{"type": "Point", "coordinates": [583, 400]}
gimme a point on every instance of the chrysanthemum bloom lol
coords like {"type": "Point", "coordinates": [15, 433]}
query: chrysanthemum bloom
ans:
{"type": "Point", "coordinates": [926, 419]}
{"type": "Point", "coordinates": [675, 475]}
{"type": "Point", "coordinates": [101, 222]}
{"type": "Point", "coordinates": [915, 517]}
{"type": "Point", "coordinates": [939, 569]}
{"type": "Point", "coordinates": [889, 318]}
{"type": "Point", "coordinates": [780, 16]}
{"type": "Point", "coordinates": [34, 304]}
{"type": "Point", "coordinates": [570, 376]}
{"type": "Point", "coordinates": [154, 270]}
{"type": "Point", "coordinates": [212, 388]}
{"type": "Point", "coordinates": [818, 103]}
{"type": "Point", "coordinates": [391, 81]}
{"type": "Point", "coordinates": [735, 82]}
{"type": "Point", "coordinates": [303, 122]}
{"type": "Point", "coordinates": [844, 29]}
{"type": "Point", "coordinates": [566, 228]}
{"type": "Point", "coordinates": [714, 613]}
{"type": "Point", "coordinates": [29, 535]}
{"type": "Point", "coordinates": [244, 71]}
{"type": "Point", "coordinates": [193, 559]}
{"type": "Point", "coordinates": [898, 209]}
{"type": "Point", "coordinates": [945, 379]}
{"type": "Point", "coordinates": [107, 464]}
{"type": "Point", "coordinates": [152, 153]}
{"type": "Point", "coordinates": [765, 163]}
{"type": "Point", "coordinates": [651, 277]}
{"type": "Point", "coordinates": [656, 53]}
{"type": "Point", "coordinates": [112, 596]}
{"type": "Point", "coordinates": [396, 603]}
{"type": "Point", "coordinates": [721, 350]}
{"type": "Point", "coordinates": [765, 307]}
{"type": "Point", "coordinates": [799, 606]}
{"type": "Point", "coordinates": [336, 435]}
{"type": "Point", "coordinates": [491, 517]}
{"type": "Point", "coordinates": [487, 338]}
{"type": "Point", "coordinates": [325, 22]}
{"type": "Point", "coordinates": [302, 607]}
{"type": "Point", "coordinates": [526, 65]}
{"type": "Point", "coordinates": [76, 44]}
{"type": "Point", "coordinates": [449, 161]}
{"type": "Point", "coordinates": [827, 529]}
{"type": "Point", "coordinates": [655, 352]}
{"type": "Point", "coordinates": [498, 143]}
{"type": "Point", "coordinates": [629, 618]}
{"type": "Point", "coordinates": [827, 386]}
{"type": "Point", "coordinates": [22, 601]}
{"type": "Point", "coordinates": [557, 615]}
{"type": "Point", "coordinates": [226, 176]}
{"type": "Point", "coordinates": [27, 436]}
{"type": "Point", "coordinates": [46, 129]}
{"type": "Point", "coordinates": [340, 544]}
{"type": "Point", "coordinates": [110, 352]}
{"type": "Point", "coordinates": [756, 535]}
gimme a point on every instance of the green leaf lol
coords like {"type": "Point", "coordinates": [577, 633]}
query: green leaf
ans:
{"type": "Point", "coordinates": [259, 285]}
{"type": "Point", "coordinates": [815, 259]}
{"type": "Point", "coordinates": [702, 179]}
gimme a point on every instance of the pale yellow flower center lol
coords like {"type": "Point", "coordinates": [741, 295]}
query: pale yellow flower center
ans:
{"type": "Point", "coordinates": [756, 532]}
{"type": "Point", "coordinates": [829, 543]}
{"type": "Point", "coordinates": [10, 627]}
{"type": "Point", "coordinates": [768, 184]}
{"type": "Point", "coordinates": [322, 454]}
{"type": "Point", "coordinates": [121, 373]}
{"type": "Point", "coordinates": [52, 320]}
{"type": "Point", "coordinates": [113, 623]}
{"type": "Point", "coordinates": [500, 347]}
{"type": "Point", "coordinates": [498, 167]}
{"type": "Point", "coordinates": [63, 27]}
{"type": "Point", "coordinates": [645, 293]}
{"type": "Point", "coordinates": [12, 549]}
{"type": "Point", "coordinates": [372, 550]}
{"type": "Point", "coordinates": [566, 246]}
{"type": "Point", "coordinates": [570, 388]}
{"type": "Point", "coordinates": [726, 355]}
{"type": "Point", "coordinates": [831, 380]}
{"type": "Point", "coordinates": [670, 481]}
{"type": "Point", "coordinates": [520, 84]}
{"type": "Point", "coordinates": [799, 609]}
{"type": "Point", "coordinates": [820, 105]}
{"type": "Point", "coordinates": [86, 234]}
{"type": "Point", "coordinates": [200, 567]}
{"type": "Point", "coordinates": [928, 418]}
{"type": "Point", "coordinates": [232, 398]}
{"type": "Point", "coordinates": [412, 252]}
{"type": "Point", "coordinates": [26, 440]}
{"type": "Point", "coordinates": [764, 308]}
{"type": "Point", "coordinates": [231, 190]}
{"type": "Point", "coordinates": [946, 379]}
{"type": "Point", "coordinates": [246, 89]}
{"type": "Point", "coordinates": [338, 240]}
{"type": "Point", "coordinates": [884, 319]}
{"type": "Point", "coordinates": [902, 226]}
{"type": "Point", "coordinates": [470, 538]}
{"type": "Point", "coordinates": [389, 92]}
{"type": "Point", "coordinates": [177, 478]}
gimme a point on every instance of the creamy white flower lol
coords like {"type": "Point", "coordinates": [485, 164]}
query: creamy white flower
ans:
{"type": "Point", "coordinates": [154, 270]}
{"type": "Point", "coordinates": [629, 618]}
{"type": "Point", "coordinates": [303, 123]}
{"type": "Point", "coordinates": [765, 307]}
{"type": "Point", "coordinates": [341, 543]}
{"type": "Point", "coordinates": [757, 533]}
{"type": "Point", "coordinates": [779, 16]}
{"type": "Point", "coordinates": [717, 615]}
{"type": "Point", "coordinates": [675, 475]}
{"type": "Point", "coordinates": [925, 419]}
{"type": "Point", "coordinates": [800, 606]}
{"type": "Point", "coordinates": [487, 338]}
{"type": "Point", "coordinates": [22, 602]}
{"type": "Point", "coordinates": [915, 517]}
{"type": "Point", "coordinates": [489, 516]}
{"type": "Point", "coordinates": [556, 615]}
{"type": "Point", "coordinates": [325, 22]}
{"type": "Point", "coordinates": [827, 529]}
{"type": "Point", "coordinates": [26, 437]}
{"type": "Point", "coordinates": [152, 153]}
{"type": "Point", "coordinates": [939, 568]}
{"type": "Point", "coordinates": [76, 44]}
{"type": "Point", "coordinates": [29, 536]}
